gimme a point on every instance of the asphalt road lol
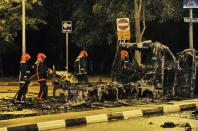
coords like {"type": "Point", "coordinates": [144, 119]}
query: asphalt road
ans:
{"type": "Point", "coordinates": [142, 124]}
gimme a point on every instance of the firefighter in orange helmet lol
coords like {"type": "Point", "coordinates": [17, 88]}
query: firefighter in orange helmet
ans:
{"type": "Point", "coordinates": [124, 58]}
{"type": "Point", "coordinates": [81, 66]}
{"type": "Point", "coordinates": [42, 71]}
{"type": "Point", "coordinates": [24, 75]}
{"type": "Point", "coordinates": [83, 53]}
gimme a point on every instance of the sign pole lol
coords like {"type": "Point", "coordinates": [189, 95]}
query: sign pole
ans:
{"type": "Point", "coordinates": [23, 28]}
{"type": "Point", "coordinates": [191, 29]}
{"type": "Point", "coordinates": [66, 28]}
{"type": "Point", "coordinates": [67, 68]}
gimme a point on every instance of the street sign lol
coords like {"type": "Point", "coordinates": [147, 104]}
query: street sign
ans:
{"type": "Point", "coordinates": [66, 26]}
{"type": "Point", "coordinates": [191, 20]}
{"type": "Point", "coordinates": [123, 29]}
{"type": "Point", "coordinates": [190, 3]}
{"type": "Point", "coordinates": [123, 24]}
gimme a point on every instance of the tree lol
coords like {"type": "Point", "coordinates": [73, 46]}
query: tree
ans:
{"type": "Point", "coordinates": [10, 22]}
{"type": "Point", "coordinates": [138, 33]}
{"type": "Point", "coordinates": [154, 10]}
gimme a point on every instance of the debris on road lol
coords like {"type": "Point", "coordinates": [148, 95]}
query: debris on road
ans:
{"type": "Point", "coordinates": [169, 125]}
{"type": "Point", "coordinates": [187, 127]}
{"type": "Point", "coordinates": [195, 112]}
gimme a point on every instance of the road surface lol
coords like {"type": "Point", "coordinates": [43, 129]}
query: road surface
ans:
{"type": "Point", "coordinates": [141, 124]}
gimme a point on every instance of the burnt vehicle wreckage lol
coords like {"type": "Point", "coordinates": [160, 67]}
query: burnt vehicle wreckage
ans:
{"type": "Point", "coordinates": [161, 75]}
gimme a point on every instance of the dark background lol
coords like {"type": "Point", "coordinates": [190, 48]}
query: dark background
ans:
{"type": "Point", "coordinates": [172, 34]}
{"type": "Point", "coordinates": [49, 39]}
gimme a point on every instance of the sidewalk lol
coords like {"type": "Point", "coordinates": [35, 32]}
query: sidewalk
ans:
{"type": "Point", "coordinates": [46, 122]}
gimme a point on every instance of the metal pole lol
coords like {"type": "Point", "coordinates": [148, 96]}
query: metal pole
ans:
{"type": "Point", "coordinates": [67, 68]}
{"type": "Point", "coordinates": [191, 29]}
{"type": "Point", "coordinates": [23, 28]}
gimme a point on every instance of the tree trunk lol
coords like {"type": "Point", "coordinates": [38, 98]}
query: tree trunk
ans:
{"type": "Point", "coordinates": [143, 18]}
{"type": "Point", "coordinates": [138, 35]}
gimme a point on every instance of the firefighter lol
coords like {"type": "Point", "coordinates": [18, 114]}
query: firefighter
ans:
{"type": "Point", "coordinates": [81, 66]}
{"type": "Point", "coordinates": [24, 75]}
{"type": "Point", "coordinates": [124, 58]}
{"type": "Point", "coordinates": [42, 71]}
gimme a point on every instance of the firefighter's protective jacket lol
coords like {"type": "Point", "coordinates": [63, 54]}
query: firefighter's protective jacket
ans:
{"type": "Point", "coordinates": [80, 65]}
{"type": "Point", "coordinates": [24, 72]}
{"type": "Point", "coordinates": [42, 71]}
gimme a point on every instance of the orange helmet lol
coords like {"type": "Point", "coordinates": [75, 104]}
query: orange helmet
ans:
{"type": "Point", "coordinates": [83, 53]}
{"type": "Point", "coordinates": [25, 57]}
{"type": "Point", "coordinates": [124, 54]}
{"type": "Point", "coordinates": [41, 56]}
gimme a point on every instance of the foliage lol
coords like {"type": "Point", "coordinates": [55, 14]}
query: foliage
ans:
{"type": "Point", "coordinates": [95, 22]}
{"type": "Point", "coordinates": [163, 10]}
{"type": "Point", "coordinates": [10, 18]}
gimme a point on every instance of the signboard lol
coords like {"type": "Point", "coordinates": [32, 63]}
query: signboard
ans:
{"type": "Point", "coordinates": [123, 29]}
{"type": "Point", "coordinates": [190, 3]}
{"type": "Point", "coordinates": [191, 20]}
{"type": "Point", "coordinates": [66, 26]}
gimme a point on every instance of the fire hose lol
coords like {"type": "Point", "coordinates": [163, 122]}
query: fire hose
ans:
{"type": "Point", "coordinates": [22, 86]}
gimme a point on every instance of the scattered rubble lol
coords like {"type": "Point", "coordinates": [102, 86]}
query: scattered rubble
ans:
{"type": "Point", "coordinates": [150, 123]}
{"type": "Point", "coordinates": [195, 112]}
{"type": "Point", "coordinates": [56, 105]}
{"type": "Point", "coordinates": [169, 125]}
{"type": "Point", "coordinates": [186, 126]}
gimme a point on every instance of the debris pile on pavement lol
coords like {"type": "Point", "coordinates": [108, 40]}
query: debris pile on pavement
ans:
{"type": "Point", "coordinates": [56, 105]}
{"type": "Point", "coordinates": [169, 125]}
{"type": "Point", "coordinates": [186, 126]}
{"type": "Point", "coordinates": [195, 114]}
{"type": "Point", "coordinates": [186, 114]}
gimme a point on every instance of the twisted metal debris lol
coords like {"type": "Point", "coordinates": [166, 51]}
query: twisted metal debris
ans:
{"type": "Point", "coordinates": [162, 75]}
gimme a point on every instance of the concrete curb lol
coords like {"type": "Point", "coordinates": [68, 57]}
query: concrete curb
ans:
{"type": "Point", "coordinates": [101, 118]}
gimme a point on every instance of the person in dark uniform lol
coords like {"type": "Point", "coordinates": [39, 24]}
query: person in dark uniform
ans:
{"type": "Point", "coordinates": [42, 71]}
{"type": "Point", "coordinates": [124, 59]}
{"type": "Point", "coordinates": [80, 66]}
{"type": "Point", "coordinates": [24, 75]}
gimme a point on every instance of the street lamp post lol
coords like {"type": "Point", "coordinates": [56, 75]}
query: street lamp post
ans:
{"type": "Point", "coordinates": [23, 28]}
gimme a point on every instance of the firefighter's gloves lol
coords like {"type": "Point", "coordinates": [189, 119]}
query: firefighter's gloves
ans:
{"type": "Point", "coordinates": [50, 71]}
{"type": "Point", "coordinates": [25, 78]}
